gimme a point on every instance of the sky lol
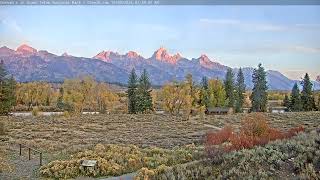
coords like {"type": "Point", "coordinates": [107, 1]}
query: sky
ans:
{"type": "Point", "coordinates": [283, 38]}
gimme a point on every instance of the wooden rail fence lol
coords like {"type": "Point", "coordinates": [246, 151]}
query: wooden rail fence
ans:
{"type": "Point", "coordinates": [29, 152]}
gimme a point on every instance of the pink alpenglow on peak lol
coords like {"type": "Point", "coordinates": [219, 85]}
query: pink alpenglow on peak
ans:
{"type": "Point", "coordinates": [132, 55]}
{"type": "Point", "coordinates": [204, 61]}
{"type": "Point", "coordinates": [104, 56]}
{"type": "Point", "coordinates": [162, 55]}
{"type": "Point", "coordinates": [25, 49]}
{"type": "Point", "coordinates": [66, 54]}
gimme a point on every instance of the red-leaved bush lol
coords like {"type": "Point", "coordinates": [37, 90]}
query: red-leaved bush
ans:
{"type": "Point", "coordinates": [215, 138]}
{"type": "Point", "coordinates": [254, 131]}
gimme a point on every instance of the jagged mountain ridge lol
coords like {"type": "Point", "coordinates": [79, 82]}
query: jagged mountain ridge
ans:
{"type": "Point", "coordinates": [28, 64]}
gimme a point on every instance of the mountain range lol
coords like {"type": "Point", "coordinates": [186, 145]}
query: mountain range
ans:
{"type": "Point", "coordinates": [28, 64]}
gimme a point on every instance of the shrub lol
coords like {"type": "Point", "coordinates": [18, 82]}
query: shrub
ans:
{"type": "Point", "coordinates": [35, 111]}
{"type": "Point", "coordinates": [254, 131]}
{"type": "Point", "coordinates": [2, 128]}
{"type": "Point", "coordinates": [254, 124]}
{"type": "Point", "coordinates": [294, 131]}
{"type": "Point", "coordinates": [66, 114]}
{"type": "Point", "coordinates": [4, 165]}
{"type": "Point", "coordinates": [114, 160]}
{"type": "Point", "coordinates": [301, 153]}
{"type": "Point", "coordinates": [215, 138]}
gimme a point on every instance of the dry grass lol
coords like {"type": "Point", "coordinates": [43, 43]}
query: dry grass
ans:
{"type": "Point", "coordinates": [283, 121]}
{"type": "Point", "coordinates": [75, 133]}
{"type": "Point", "coordinates": [58, 133]}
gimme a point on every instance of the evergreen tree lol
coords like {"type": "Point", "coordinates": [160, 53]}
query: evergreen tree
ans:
{"type": "Point", "coordinates": [240, 92]}
{"type": "Point", "coordinates": [7, 91]}
{"type": "Point", "coordinates": [204, 92]}
{"type": "Point", "coordinates": [306, 94]}
{"type": "Point", "coordinates": [132, 92]}
{"type": "Point", "coordinates": [259, 94]}
{"type": "Point", "coordinates": [144, 99]}
{"type": "Point", "coordinates": [204, 82]}
{"type": "Point", "coordinates": [295, 99]}
{"type": "Point", "coordinates": [229, 87]}
{"type": "Point", "coordinates": [319, 102]}
{"type": "Point", "coordinates": [286, 102]}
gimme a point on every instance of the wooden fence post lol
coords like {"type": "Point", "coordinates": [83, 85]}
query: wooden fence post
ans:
{"type": "Point", "coordinates": [20, 149]}
{"type": "Point", "coordinates": [29, 153]}
{"type": "Point", "coordinates": [40, 158]}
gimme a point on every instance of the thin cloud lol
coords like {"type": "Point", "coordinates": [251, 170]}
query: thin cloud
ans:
{"type": "Point", "coordinates": [308, 26]}
{"type": "Point", "coordinates": [276, 49]}
{"type": "Point", "coordinates": [304, 49]}
{"type": "Point", "coordinates": [258, 26]}
{"type": "Point", "coordinates": [243, 25]}
{"type": "Point", "coordinates": [11, 25]}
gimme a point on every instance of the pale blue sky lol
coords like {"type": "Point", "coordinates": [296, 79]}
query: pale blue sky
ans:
{"type": "Point", "coordinates": [284, 38]}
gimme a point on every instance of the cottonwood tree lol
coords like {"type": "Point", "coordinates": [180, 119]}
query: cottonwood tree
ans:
{"type": "Point", "coordinates": [229, 87]}
{"type": "Point", "coordinates": [104, 98]}
{"type": "Point", "coordinates": [195, 94]}
{"type": "Point", "coordinates": [259, 96]}
{"type": "Point", "coordinates": [307, 98]}
{"type": "Point", "coordinates": [73, 95]}
{"type": "Point", "coordinates": [176, 97]}
{"type": "Point", "coordinates": [240, 92]}
{"type": "Point", "coordinates": [36, 94]}
{"type": "Point", "coordinates": [216, 94]}
{"type": "Point", "coordinates": [86, 93]}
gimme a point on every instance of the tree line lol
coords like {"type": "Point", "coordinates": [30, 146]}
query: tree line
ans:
{"type": "Point", "coordinates": [187, 97]}
{"type": "Point", "coordinates": [73, 96]}
{"type": "Point", "coordinates": [304, 100]}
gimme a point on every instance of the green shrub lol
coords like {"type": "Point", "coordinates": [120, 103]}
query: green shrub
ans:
{"type": "Point", "coordinates": [2, 128]}
{"type": "Point", "coordinates": [35, 111]}
{"type": "Point", "coordinates": [301, 153]}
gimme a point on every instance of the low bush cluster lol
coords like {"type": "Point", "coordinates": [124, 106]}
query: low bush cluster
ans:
{"type": "Point", "coordinates": [114, 160]}
{"type": "Point", "coordinates": [254, 131]}
{"type": "Point", "coordinates": [2, 128]}
{"type": "Point", "coordinates": [4, 165]}
{"type": "Point", "coordinates": [294, 158]}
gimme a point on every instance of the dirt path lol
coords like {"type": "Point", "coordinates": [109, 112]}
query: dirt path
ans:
{"type": "Point", "coordinates": [22, 167]}
{"type": "Point", "coordinates": [212, 126]}
{"type": "Point", "coordinates": [129, 176]}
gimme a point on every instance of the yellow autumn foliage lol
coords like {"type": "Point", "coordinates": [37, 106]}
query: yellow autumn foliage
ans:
{"type": "Point", "coordinates": [115, 160]}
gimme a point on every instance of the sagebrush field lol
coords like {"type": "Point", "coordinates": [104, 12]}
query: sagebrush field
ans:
{"type": "Point", "coordinates": [59, 137]}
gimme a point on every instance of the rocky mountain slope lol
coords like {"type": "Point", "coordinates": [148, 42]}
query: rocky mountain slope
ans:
{"type": "Point", "coordinates": [28, 64]}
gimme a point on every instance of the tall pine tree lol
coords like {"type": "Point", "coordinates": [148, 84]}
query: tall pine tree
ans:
{"type": "Point", "coordinates": [204, 101]}
{"type": "Point", "coordinates": [286, 102]}
{"type": "Point", "coordinates": [7, 91]}
{"type": "Point", "coordinates": [132, 92]}
{"type": "Point", "coordinates": [229, 87]}
{"type": "Point", "coordinates": [144, 98]}
{"type": "Point", "coordinates": [240, 92]}
{"type": "Point", "coordinates": [307, 99]}
{"type": "Point", "coordinates": [259, 96]}
{"type": "Point", "coordinates": [295, 99]}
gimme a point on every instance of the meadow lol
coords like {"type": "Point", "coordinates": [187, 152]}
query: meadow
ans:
{"type": "Point", "coordinates": [63, 138]}
{"type": "Point", "coordinates": [53, 133]}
